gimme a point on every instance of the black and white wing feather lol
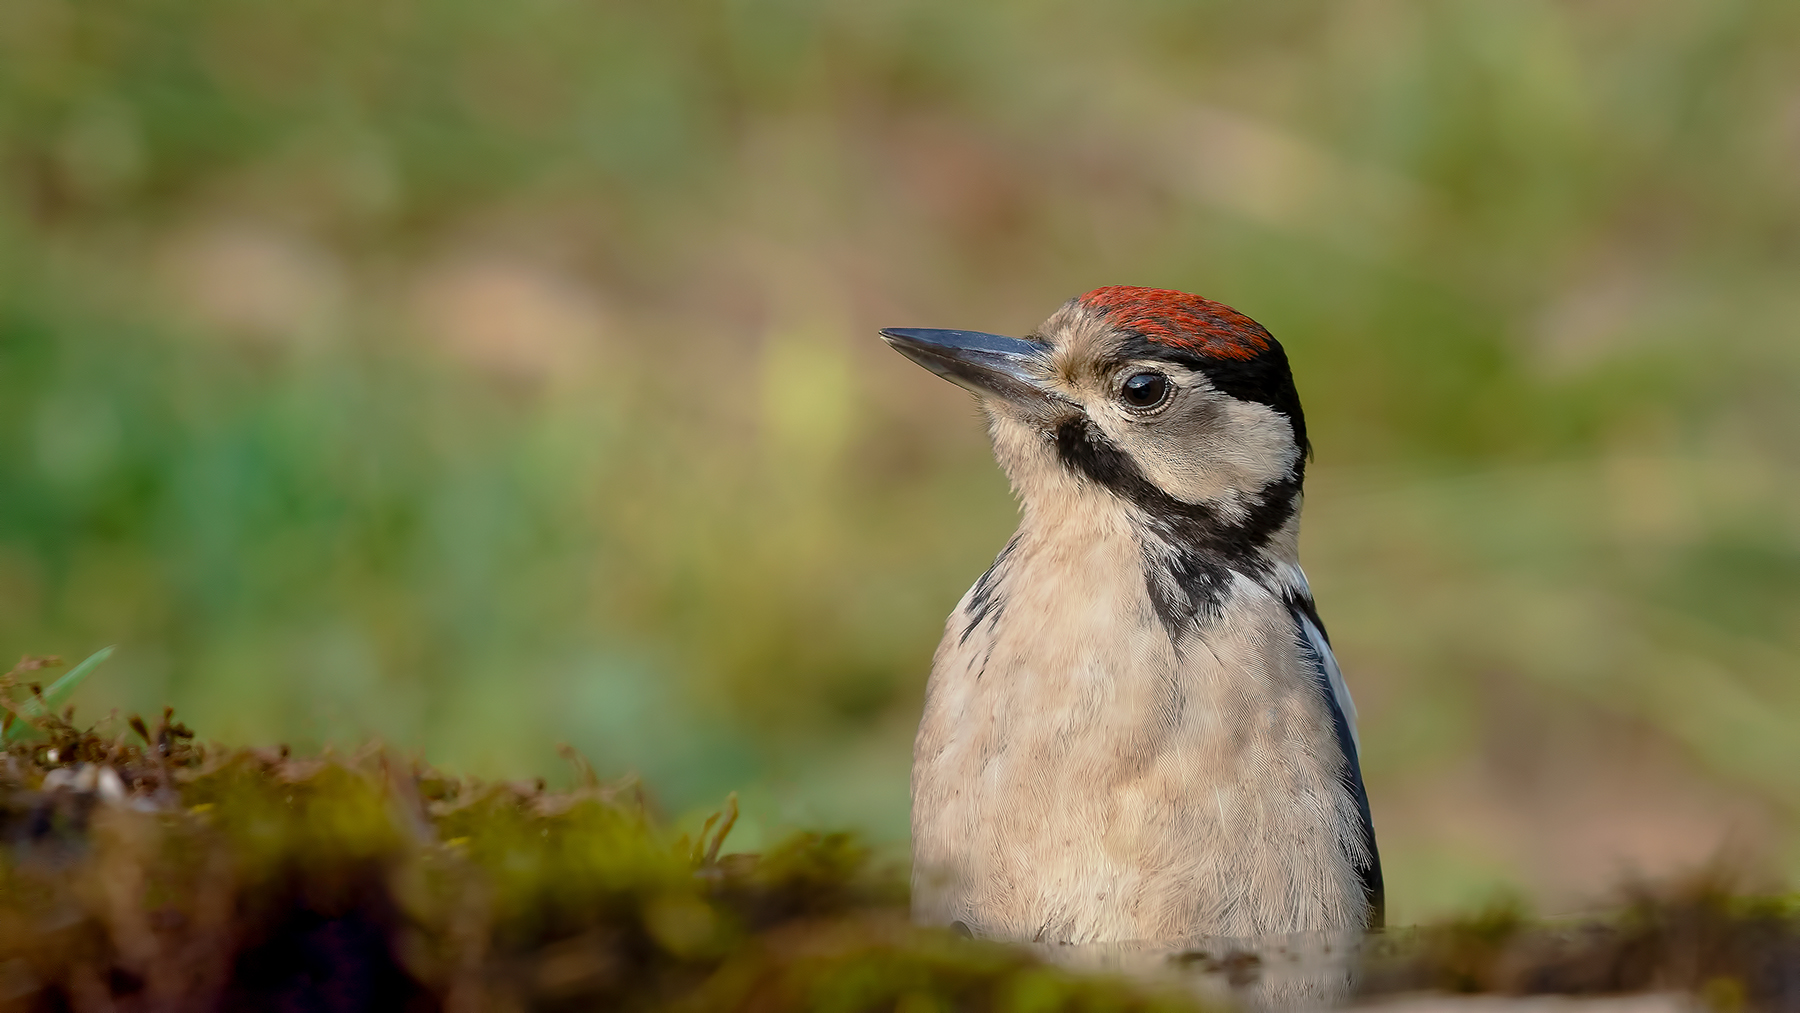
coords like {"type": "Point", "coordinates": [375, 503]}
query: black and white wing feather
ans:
{"type": "Point", "coordinates": [1343, 716]}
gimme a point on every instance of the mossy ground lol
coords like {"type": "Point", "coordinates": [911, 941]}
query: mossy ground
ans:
{"type": "Point", "coordinates": [143, 871]}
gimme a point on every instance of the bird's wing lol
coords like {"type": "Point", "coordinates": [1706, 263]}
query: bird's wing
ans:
{"type": "Point", "coordinates": [1343, 715]}
{"type": "Point", "coordinates": [1334, 678]}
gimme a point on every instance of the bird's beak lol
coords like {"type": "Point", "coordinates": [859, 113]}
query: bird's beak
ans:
{"type": "Point", "coordinates": [988, 364]}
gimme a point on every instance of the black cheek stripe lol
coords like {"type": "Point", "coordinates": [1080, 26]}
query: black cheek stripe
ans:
{"type": "Point", "coordinates": [1194, 548]}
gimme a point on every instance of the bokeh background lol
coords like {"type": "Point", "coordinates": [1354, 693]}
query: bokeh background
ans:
{"type": "Point", "coordinates": [482, 376]}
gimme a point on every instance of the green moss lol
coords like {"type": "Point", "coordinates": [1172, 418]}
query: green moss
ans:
{"type": "Point", "coordinates": [158, 872]}
{"type": "Point", "coordinates": [1696, 936]}
{"type": "Point", "coordinates": [162, 874]}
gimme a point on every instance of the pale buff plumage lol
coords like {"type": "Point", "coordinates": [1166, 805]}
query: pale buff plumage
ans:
{"type": "Point", "coordinates": [1079, 775]}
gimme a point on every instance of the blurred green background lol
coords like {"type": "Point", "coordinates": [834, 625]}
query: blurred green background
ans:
{"type": "Point", "coordinates": [481, 376]}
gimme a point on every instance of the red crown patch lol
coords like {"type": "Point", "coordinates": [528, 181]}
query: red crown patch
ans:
{"type": "Point", "coordinates": [1179, 319]}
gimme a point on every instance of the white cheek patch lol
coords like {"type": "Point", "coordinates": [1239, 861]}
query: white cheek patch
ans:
{"type": "Point", "coordinates": [1218, 452]}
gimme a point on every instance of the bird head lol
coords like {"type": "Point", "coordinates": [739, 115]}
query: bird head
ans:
{"type": "Point", "coordinates": [1180, 411]}
{"type": "Point", "coordinates": [1146, 392]}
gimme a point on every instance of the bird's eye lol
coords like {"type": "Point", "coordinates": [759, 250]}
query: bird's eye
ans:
{"type": "Point", "coordinates": [1145, 390]}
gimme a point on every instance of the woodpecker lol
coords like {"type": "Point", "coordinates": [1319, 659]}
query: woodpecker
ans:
{"type": "Point", "coordinates": [1134, 729]}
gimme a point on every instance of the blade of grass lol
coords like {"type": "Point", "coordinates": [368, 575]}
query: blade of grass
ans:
{"type": "Point", "coordinates": [39, 705]}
